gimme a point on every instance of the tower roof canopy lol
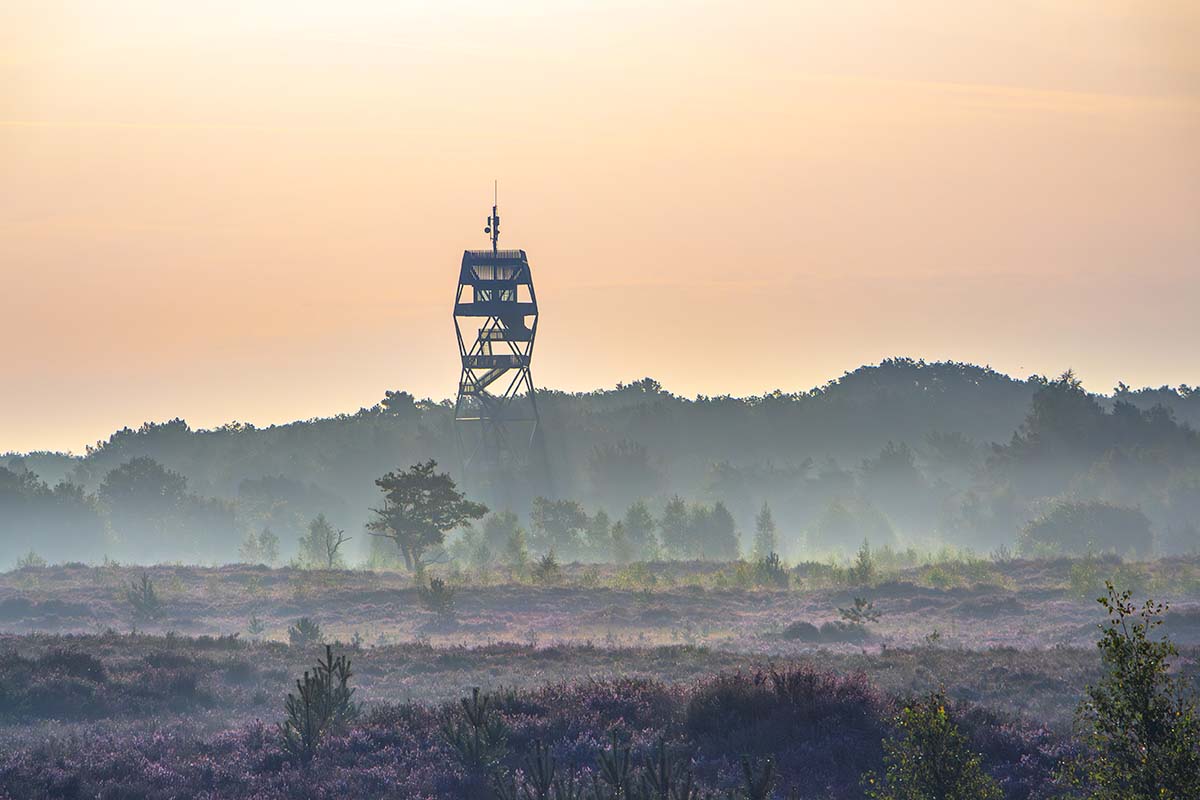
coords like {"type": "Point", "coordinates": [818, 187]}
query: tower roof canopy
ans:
{"type": "Point", "coordinates": [482, 268]}
{"type": "Point", "coordinates": [473, 257]}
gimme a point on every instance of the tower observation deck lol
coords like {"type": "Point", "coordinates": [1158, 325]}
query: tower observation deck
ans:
{"type": "Point", "coordinates": [495, 320]}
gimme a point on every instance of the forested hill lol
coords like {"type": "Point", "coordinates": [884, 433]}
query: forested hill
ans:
{"type": "Point", "coordinates": [608, 448]}
{"type": "Point", "coordinates": [847, 419]}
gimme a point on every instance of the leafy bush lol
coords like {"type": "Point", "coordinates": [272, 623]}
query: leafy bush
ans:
{"type": "Point", "coordinates": [305, 632]}
{"type": "Point", "coordinates": [1090, 575]}
{"type": "Point", "coordinates": [940, 576]}
{"type": "Point", "coordinates": [1140, 723]}
{"type": "Point", "coordinates": [930, 759]}
{"type": "Point", "coordinates": [1088, 526]}
{"type": "Point", "coordinates": [322, 705]}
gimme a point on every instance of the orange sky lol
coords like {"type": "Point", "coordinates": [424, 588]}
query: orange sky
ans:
{"type": "Point", "coordinates": [255, 210]}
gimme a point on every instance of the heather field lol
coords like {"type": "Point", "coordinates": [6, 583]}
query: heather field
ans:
{"type": "Point", "coordinates": [958, 602]}
{"type": "Point", "coordinates": [95, 702]}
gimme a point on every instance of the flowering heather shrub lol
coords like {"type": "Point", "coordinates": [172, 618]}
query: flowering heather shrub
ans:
{"type": "Point", "coordinates": [798, 715]}
{"type": "Point", "coordinates": [73, 662]}
{"type": "Point", "coordinates": [820, 730]}
{"type": "Point", "coordinates": [729, 702]}
{"type": "Point", "coordinates": [619, 775]}
{"type": "Point", "coordinates": [68, 684]}
{"type": "Point", "coordinates": [1020, 754]}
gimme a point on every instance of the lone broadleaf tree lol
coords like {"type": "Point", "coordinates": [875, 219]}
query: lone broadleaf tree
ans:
{"type": "Point", "coordinates": [420, 506]}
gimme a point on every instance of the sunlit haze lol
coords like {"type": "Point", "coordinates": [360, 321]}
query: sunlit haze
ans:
{"type": "Point", "coordinates": [256, 210]}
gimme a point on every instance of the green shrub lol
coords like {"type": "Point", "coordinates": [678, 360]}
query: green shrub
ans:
{"type": "Point", "coordinates": [477, 733]}
{"type": "Point", "coordinates": [860, 613]}
{"type": "Point", "coordinates": [636, 576]}
{"type": "Point", "coordinates": [144, 600]}
{"type": "Point", "coordinates": [940, 576]}
{"type": "Point", "coordinates": [437, 596]}
{"type": "Point", "coordinates": [863, 570]}
{"type": "Point", "coordinates": [1139, 723]}
{"type": "Point", "coordinates": [1090, 575]}
{"type": "Point", "coordinates": [930, 759]}
{"type": "Point", "coordinates": [305, 632]}
{"type": "Point", "coordinates": [619, 775]}
{"type": "Point", "coordinates": [1088, 526]}
{"type": "Point", "coordinates": [769, 571]}
{"type": "Point", "coordinates": [546, 569]}
{"type": "Point", "coordinates": [31, 560]}
{"type": "Point", "coordinates": [322, 705]}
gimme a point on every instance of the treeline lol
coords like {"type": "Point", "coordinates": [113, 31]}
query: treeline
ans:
{"type": "Point", "coordinates": [903, 452]}
{"type": "Point", "coordinates": [692, 531]}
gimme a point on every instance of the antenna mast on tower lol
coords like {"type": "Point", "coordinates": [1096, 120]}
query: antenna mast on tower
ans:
{"type": "Point", "coordinates": [493, 224]}
{"type": "Point", "coordinates": [496, 415]}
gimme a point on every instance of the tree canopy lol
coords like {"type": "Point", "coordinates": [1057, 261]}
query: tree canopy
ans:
{"type": "Point", "coordinates": [420, 506]}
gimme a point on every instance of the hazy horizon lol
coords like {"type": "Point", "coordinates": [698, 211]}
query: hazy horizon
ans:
{"type": "Point", "coordinates": [257, 212]}
{"type": "Point", "coordinates": [209, 424]}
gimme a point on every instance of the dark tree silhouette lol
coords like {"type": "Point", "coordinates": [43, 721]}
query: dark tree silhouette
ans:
{"type": "Point", "coordinates": [639, 531]}
{"type": "Point", "coordinates": [421, 505]}
{"type": "Point", "coordinates": [1076, 528]}
{"type": "Point", "coordinates": [558, 525]}
{"type": "Point", "coordinates": [766, 540]}
{"type": "Point", "coordinates": [675, 527]}
{"type": "Point", "coordinates": [400, 404]}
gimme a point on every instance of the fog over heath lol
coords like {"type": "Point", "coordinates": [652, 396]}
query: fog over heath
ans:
{"type": "Point", "coordinates": [256, 211]}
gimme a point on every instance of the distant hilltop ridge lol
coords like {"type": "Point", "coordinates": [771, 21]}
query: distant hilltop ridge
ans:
{"type": "Point", "coordinates": [896, 378]}
{"type": "Point", "coordinates": [898, 452]}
